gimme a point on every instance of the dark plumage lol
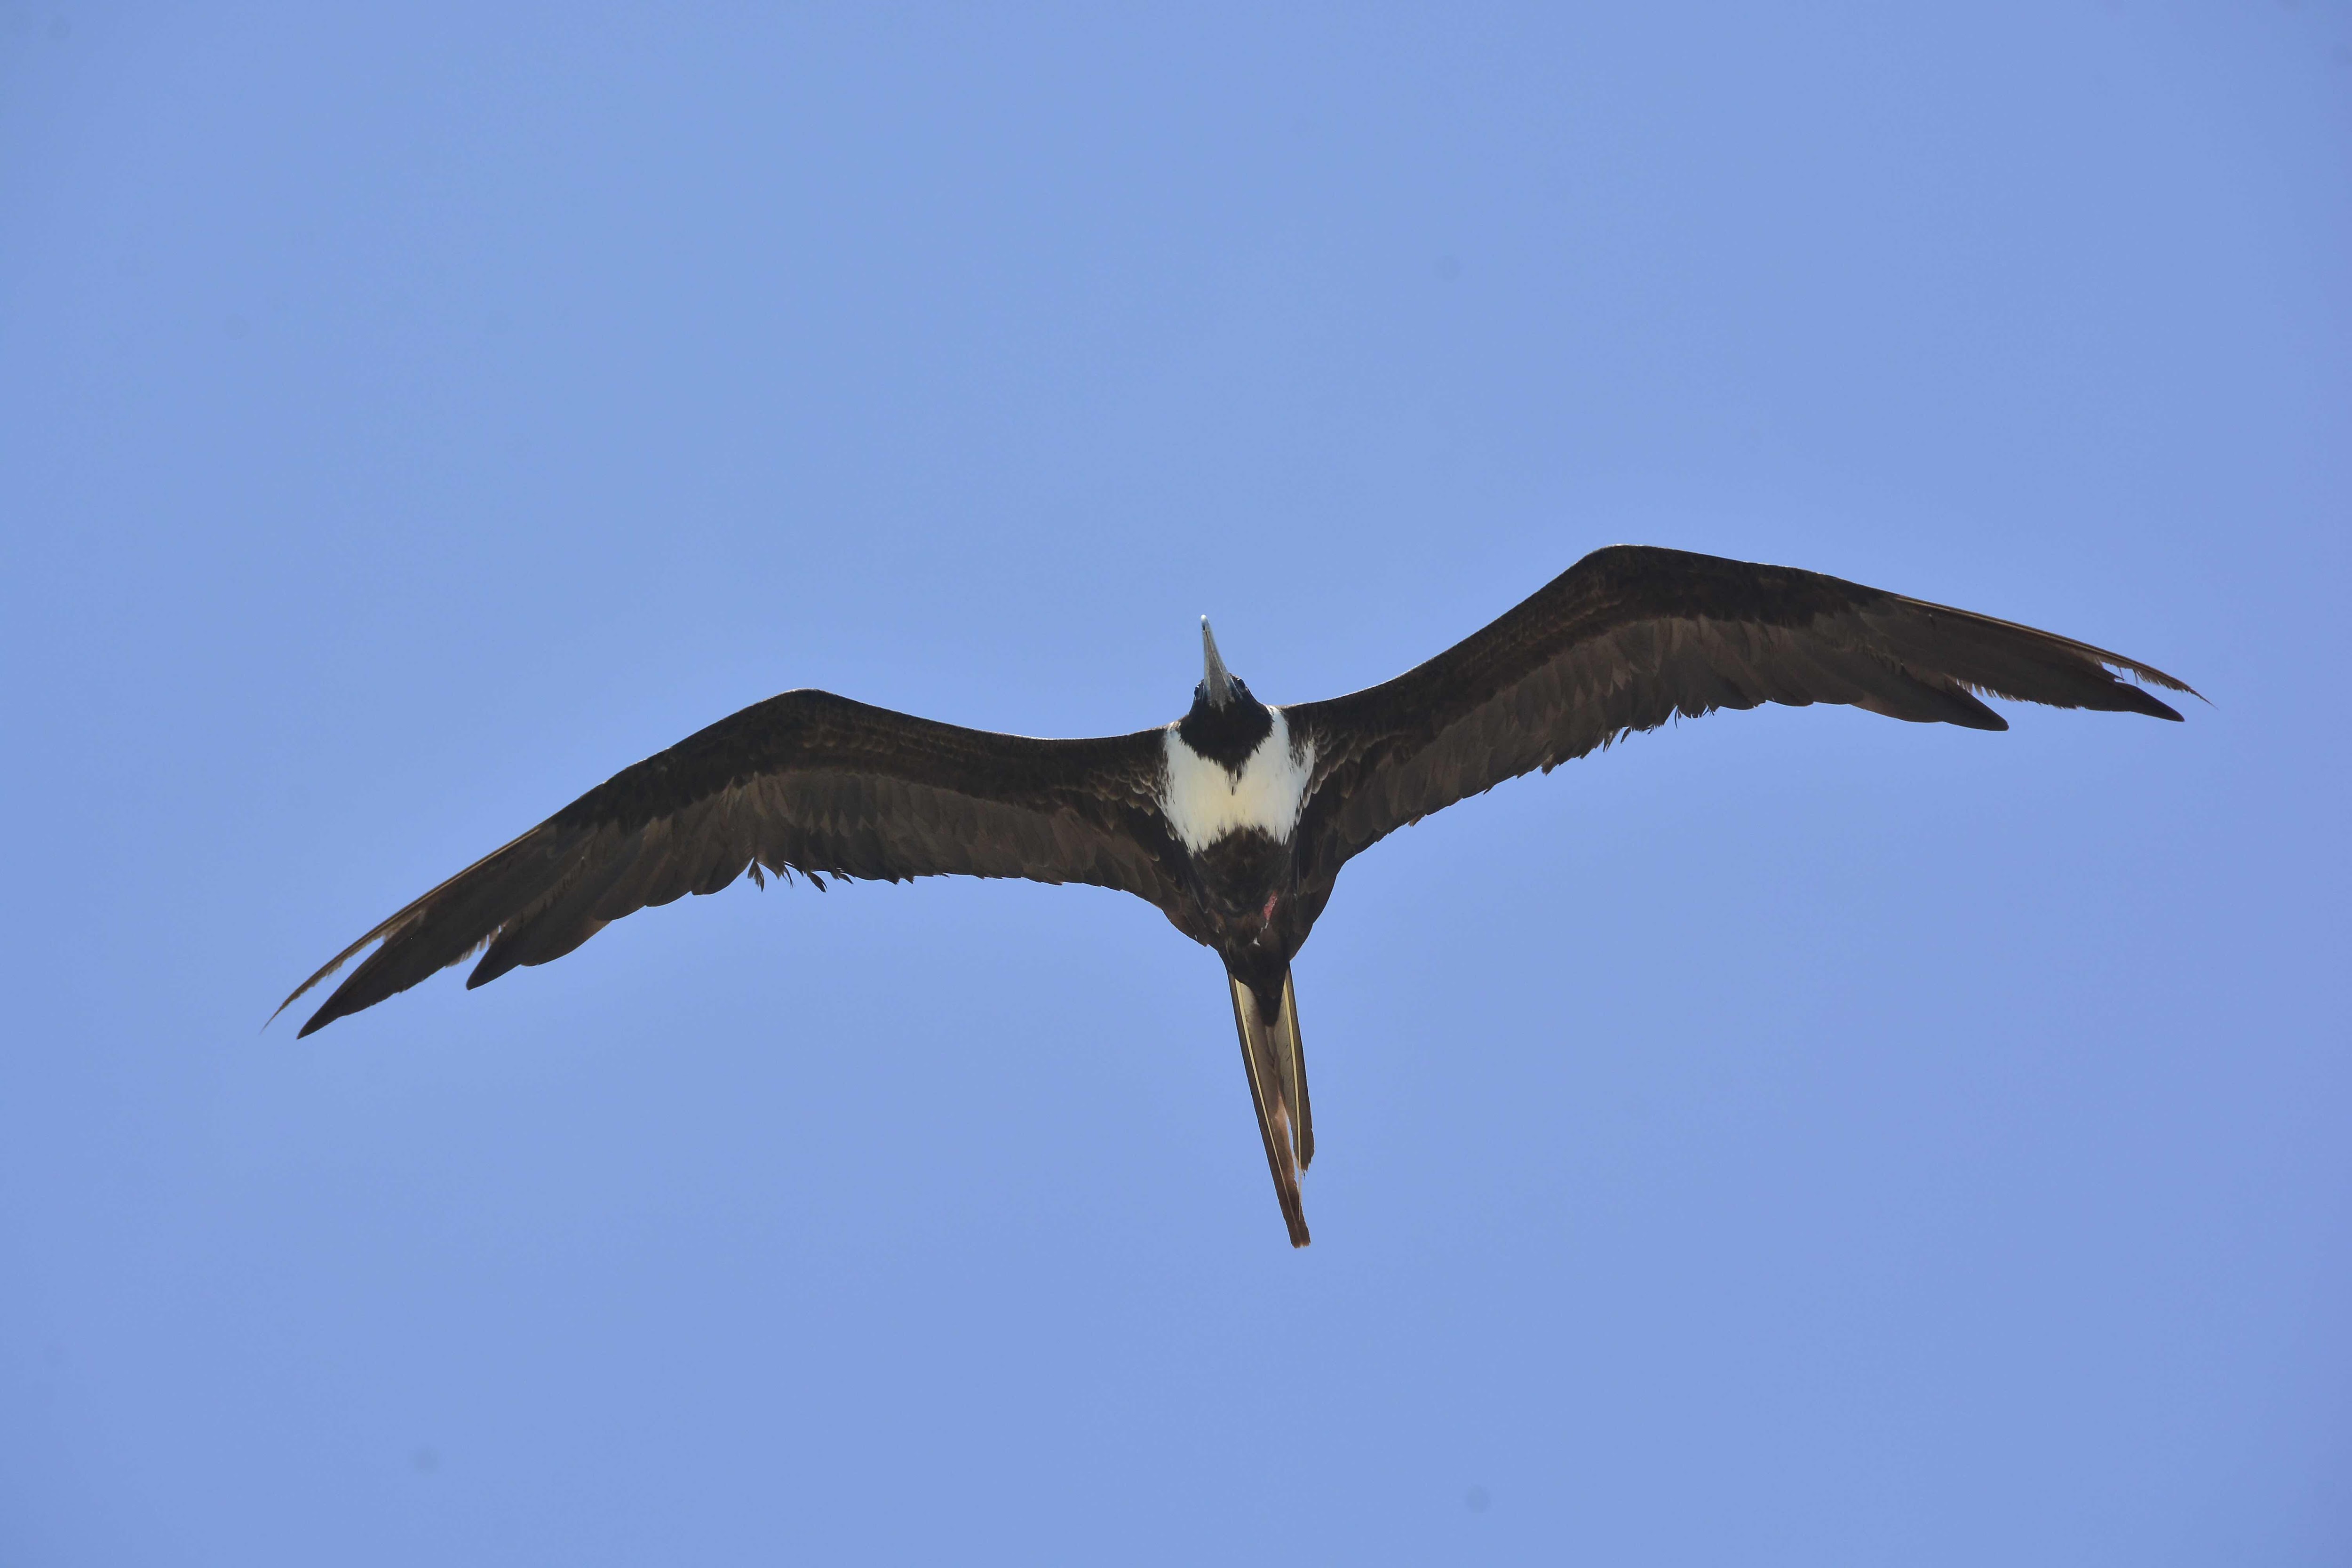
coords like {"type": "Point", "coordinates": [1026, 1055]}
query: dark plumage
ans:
{"type": "Point", "coordinates": [1234, 822]}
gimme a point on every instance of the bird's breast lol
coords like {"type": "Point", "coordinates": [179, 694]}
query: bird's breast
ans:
{"type": "Point", "coordinates": [1205, 801]}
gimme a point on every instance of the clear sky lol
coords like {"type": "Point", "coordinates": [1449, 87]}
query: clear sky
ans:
{"type": "Point", "coordinates": [1789, 1138]}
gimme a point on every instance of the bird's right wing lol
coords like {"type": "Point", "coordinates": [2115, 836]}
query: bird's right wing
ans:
{"type": "Point", "coordinates": [1633, 636]}
{"type": "Point", "coordinates": [807, 783]}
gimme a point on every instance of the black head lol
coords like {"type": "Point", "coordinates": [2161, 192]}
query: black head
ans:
{"type": "Point", "coordinates": [1226, 722]}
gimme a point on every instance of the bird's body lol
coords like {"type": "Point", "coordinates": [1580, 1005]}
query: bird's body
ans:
{"type": "Point", "coordinates": [1214, 787]}
{"type": "Point", "coordinates": [1236, 820]}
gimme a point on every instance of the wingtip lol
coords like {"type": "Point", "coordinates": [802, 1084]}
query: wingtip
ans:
{"type": "Point", "coordinates": [277, 1012]}
{"type": "Point", "coordinates": [2140, 699]}
{"type": "Point", "coordinates": [2170, 682]}
{"type": "Point", "coordinates": [2138, 678]}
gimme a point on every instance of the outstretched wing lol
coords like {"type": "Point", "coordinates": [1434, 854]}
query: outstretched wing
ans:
{"type": "Point", "coordinates": [1632, 635]}
{"type": "Point", "coordinates": [806, 781]}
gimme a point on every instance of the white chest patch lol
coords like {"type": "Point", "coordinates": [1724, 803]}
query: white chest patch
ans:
{"type": "Point", "coordinates": [1203, 803]}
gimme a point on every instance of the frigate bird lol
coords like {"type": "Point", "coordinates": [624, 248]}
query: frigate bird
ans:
{"type": "Point", "coordinates": [1235, 820]}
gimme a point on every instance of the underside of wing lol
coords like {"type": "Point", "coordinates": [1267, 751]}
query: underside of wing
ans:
{"type": "Point", "coordinates": [806, 782]}
{"type": "Point", "coordinates": [1633, 636]}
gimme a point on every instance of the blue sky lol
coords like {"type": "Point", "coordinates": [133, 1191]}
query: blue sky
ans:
{"type": "Point", "coordinates": [1792, 1137]}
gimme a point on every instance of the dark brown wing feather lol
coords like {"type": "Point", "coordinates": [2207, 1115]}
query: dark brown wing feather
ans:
{"type": "Point", "coordinates": [806, 781]}
{"type": "Point", "coordinates": [1633, 636]}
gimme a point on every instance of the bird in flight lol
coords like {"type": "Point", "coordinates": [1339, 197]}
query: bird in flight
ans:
{"type": "Point", "coordinates": [1234, 820]}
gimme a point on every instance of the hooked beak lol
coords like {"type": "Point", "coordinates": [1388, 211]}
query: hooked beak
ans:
{"type": "Point", "coordinates": [1215, 682]}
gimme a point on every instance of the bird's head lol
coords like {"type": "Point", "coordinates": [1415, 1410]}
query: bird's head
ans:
{"type": "Point", "coordinates": [1226, 722]}
{"type": "Point", "coordinates": [1219, 687]}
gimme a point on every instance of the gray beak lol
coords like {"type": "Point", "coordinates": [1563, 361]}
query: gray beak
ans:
{"type": "Point", "coordinates": [1216, 682]}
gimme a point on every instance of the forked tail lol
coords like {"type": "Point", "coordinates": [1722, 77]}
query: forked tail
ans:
{"type": "Point", "coordinates": [1277, 1063]}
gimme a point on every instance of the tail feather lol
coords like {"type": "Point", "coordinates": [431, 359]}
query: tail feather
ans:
{"type": "Point", "coordinates": [1296, 1077]}
{"type": "Point", "coordinates": [1278, 1080]}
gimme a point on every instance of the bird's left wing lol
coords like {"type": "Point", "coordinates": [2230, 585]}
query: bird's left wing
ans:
{"type": "Point", "coordinates": [806, 781]}
{"type": "Point", "coordinates": [1633, 636]}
